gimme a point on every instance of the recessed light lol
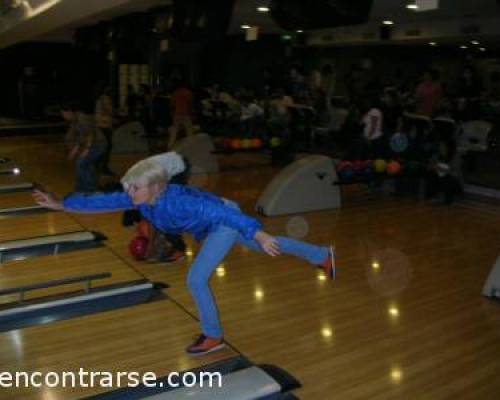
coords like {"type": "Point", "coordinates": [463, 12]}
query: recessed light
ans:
{"type": "Point", "coordinates": [432, 43]}
{"type": "Point", "coordinates": [299, 31]}
{"type": "Point", "coordinates": [387, 22]}
{"type": "Point", "coordinates": [475, 42]}
{"type": "Point", "coordinates": [245, 26]}
{"type": "Point", "coordinates": [412, 6]}
{"type": "Point", "coordinates": [463, 47]}
{"type": "Point", "coordinates": [263, 9]}
{"type": "Point", "coordinates": [482, 49]}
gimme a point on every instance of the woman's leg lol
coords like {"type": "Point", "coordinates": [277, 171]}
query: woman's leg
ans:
{"type": "Point", "coordinates": [311, 253]}
{"type": "Point", "coordinates": [212, 253]}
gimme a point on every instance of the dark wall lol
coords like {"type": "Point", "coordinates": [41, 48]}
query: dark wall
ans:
{"type": "Point", "coordinates": [235, 62]}
{"type": "Point", "coordinates": [41, 74]}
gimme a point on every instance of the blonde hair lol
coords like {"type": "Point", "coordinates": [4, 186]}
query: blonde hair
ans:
{"type": "Point", "coordinates": [145, 173]}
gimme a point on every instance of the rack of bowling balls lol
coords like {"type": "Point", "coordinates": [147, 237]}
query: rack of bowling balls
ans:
{"type": "Point", "coordinates": [230, 145]}
{"type": "Point", "coordinates": [358, 171]}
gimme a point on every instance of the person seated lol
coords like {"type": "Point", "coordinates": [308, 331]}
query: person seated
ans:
{"type": "Point", "coordinates": [251, 114]}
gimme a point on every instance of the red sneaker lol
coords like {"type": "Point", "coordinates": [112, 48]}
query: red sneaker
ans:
{"type": "Point", "coordinates": [168, 258]}
{"type": "Point", "coordinates": [329, 265]}
{"type": "Point", "coordinates": [204, 345]}
{"type": "Point", "coordinates": [176, 256]}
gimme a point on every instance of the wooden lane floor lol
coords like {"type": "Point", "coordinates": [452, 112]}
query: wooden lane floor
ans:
{"type": "Point", "coordinates": [405, 318]}
{"type": "Point", "coordinates": [13, 179]}
{"type": "Point", "coordinates": [145, 338]}
{"type": "Point", "coordinates": [16, 200]}
{"type": "Point", "coordinates": [64, 266]}
{"type": "Point", "coordinates": [37, 225]}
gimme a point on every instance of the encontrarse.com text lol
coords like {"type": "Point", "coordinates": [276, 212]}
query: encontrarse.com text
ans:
{"type": "Point", "coordinates": [87, 379]}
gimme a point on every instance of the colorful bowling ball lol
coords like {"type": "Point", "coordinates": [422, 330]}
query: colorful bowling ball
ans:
{"type": "Point", "coordinates": [343, 164]}
{"type": "Point", "coordinates": [246, 143]}
{"type": "Point", "coordinates": [236, 144]}
{"type": "Point", "coordinates": [275, 142]}
{"type": "Point", "coordinates": [393, 168]}
{"type": "Point", "coordinates": [138, 247]}
{"type": "Point", "coordinates": [256, 143]}
{"type": "Point", "coordinates": [347, 174]}
{"type": "Point", "coordinates": [358, 167]}
{"type": "Point", "coordinates": [380, 166]}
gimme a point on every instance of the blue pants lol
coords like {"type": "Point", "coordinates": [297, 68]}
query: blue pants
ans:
{"type": "Point", "coordinates": [87, 174]}
{"type": "Point", "coordinates": [212, 253]}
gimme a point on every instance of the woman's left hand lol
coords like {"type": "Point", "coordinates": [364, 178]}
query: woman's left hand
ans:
{"type": "Point", "coordinates": [268, 243]}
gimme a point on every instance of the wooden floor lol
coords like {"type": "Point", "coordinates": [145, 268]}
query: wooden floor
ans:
{"type": "Point", "coordinates": [16, 200]}
{"type": "Point", "coordinates": [143, 338]}
{"type": "Point", "coordinates": [31, 226]}
{"type": "Point", "coordinates": [64, 266]}
{"type": "Point", "coordinates": [405, 318]}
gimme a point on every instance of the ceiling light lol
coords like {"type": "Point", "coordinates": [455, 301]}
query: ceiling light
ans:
{"type": "Point", "coordinates": [387, 22]}
{"type": "Point", "coordinates": [412, 6]}
{"type": "Point", "coordinates": [475, 42]}
{"type": "Point", "coordinates": [482, 49]}
{"type": "Point", "coordinates": [263, 9]}
{"type": "Point", "coordinates": [245, 26]}
{"type": "Point", "coordinates": [432, 43]}
{"type": "Point", "coordinates": [299, 31]}
{"type": "Point", "coordinates": [463, 47]}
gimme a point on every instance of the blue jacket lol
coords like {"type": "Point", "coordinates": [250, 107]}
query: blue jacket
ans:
{"type": "Point", "coordinates": [178, 209]}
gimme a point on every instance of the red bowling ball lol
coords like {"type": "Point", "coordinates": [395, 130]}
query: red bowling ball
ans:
{"type": "Point", "coordinates": [138, 247]}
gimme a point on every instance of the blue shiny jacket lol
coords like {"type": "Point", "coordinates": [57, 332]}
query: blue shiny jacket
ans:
{"type": "Point", "coordinates": [178, 209]}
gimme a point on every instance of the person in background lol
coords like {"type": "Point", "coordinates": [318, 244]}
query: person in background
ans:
{"type": "Point", "coordinates": [182, 111]}
{"type": "Point", "coordinates": [132, 103]}
{"type": "Point", "coordinates": [86, 145]}
{"type": "Point", "coordinates": [251, 113]}
{"type": "Point", "coordinates": [444, 172]}
{"type": "Point", "coordinates": [145, 108]}
{"type": "Point", "coordinates": [104, 120]}
{"type": "Point", "coordinates": [428, 93]}
{"type": "Point", "coordinates": [372, 120]}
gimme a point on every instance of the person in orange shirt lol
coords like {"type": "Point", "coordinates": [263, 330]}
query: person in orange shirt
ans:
{"type": "Point", "coordinates": [182, 105]}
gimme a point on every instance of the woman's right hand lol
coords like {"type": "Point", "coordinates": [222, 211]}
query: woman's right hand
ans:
{"type": "Point", "coordinates": [268, 243]}
{"type": "Point", "coordinates": [47, 200]}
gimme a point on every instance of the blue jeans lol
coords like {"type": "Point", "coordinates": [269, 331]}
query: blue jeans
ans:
{"type": "Point", "coordinates": [215, 248]}
{"type": "Point", "coordinates": [87, 174]}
